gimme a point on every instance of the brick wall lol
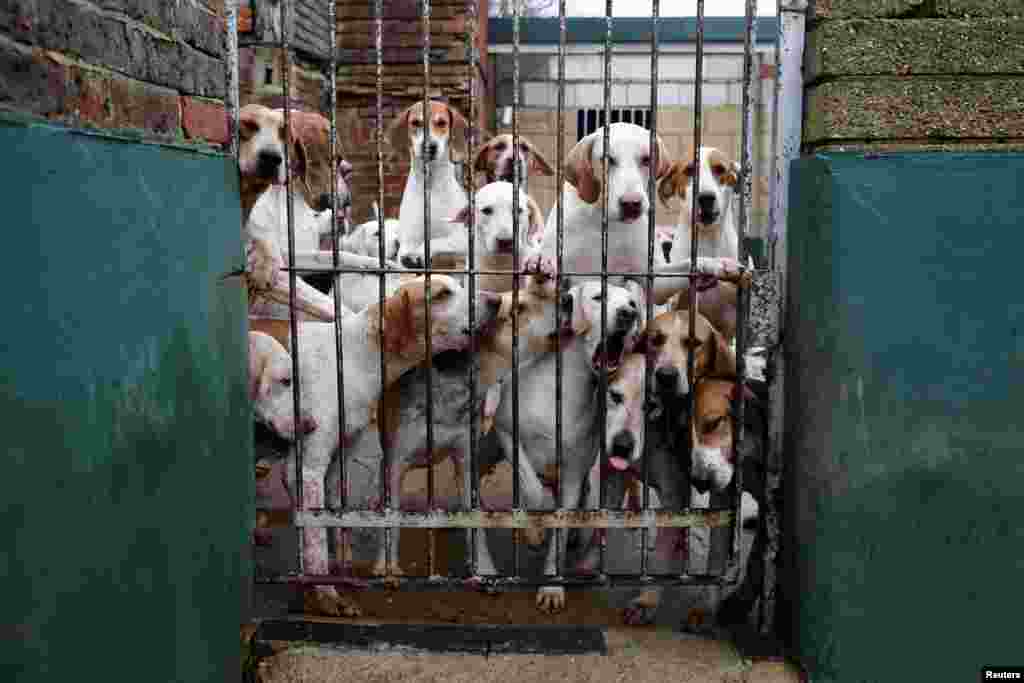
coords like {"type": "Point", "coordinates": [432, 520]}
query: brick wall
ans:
{"type": "Point", "coordinates": [914, 74]}
{"type": "Point", "coordinates": [150, 67]}
{"type": "Point", "coordinates": [402, 80]}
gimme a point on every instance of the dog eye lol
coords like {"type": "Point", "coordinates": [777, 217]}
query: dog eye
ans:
{"type": "Point", "coordinates": [441, 123]}
{"type": "Point", "coordinates": [615, 397]}
{"type": "Point", "coordinates": [689, 169]}
{"type": "Point", "coordinates": [521, 308]}
{"type": "Point", "coordinates": [718, 169]}
{"type": "Point", "coordinates": [523, 148]}
{"type": "Point", "coordinates": [596, 297]}
{"type": "Point", "coordinates": [611, 160]}
{"type": "Point", "coordinates": [713, 424]}
{"type": "Point", "coordinates": [439, 294]}
{"type": "Point", "coordinates": [417, 124]}
{"type": "Point", "coordinates": [500, 146]}
{"type": "Point", "coordinates": [645, 161]}
{"type": "Point", "coordinates": [286, 381]}
{"type": "Point", "coordinates": [487, 211]}
{"type": "Point", "coordinates": [692, 343]}
{"type": "Point", "coordinates": [658, 340]}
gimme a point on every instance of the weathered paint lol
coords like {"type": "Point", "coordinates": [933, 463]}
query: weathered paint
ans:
{"type": "Point", "coordinates": [905, 349]}
{"type": "Point", "coordinates": [127, 488]}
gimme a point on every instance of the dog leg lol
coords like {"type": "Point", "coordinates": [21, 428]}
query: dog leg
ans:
{"type": "Point", "coordinates": [395, 478]}
{"type": "Point", "coordinates": [484, 561]}
{"type": "Point", "coordinates": [551, 599]}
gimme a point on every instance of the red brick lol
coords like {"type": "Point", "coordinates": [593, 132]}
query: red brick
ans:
{"type": "Point", "coordinates": [88, 97]}
{"type": "Point", "coordinates": [204, 119]}
{"type": "Point", "coordinates": [142, 106]}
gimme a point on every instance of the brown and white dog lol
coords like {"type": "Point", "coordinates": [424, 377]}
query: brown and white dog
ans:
{"type": "Point", "coordinates": [435, 140]}
{"type": "Point", "coordinates": [401, 339]}
{"type": "Point", "coordinates": [715, 230]}
{"type": "Point", "coordinates": [496, 160]}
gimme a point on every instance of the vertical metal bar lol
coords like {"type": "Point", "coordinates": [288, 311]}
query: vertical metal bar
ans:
{"type": "Point", "coordinates": [603, 401]}
{"type": "Point", "coordinates": [742, 299]}
{"type": "Point", "coordinates": [426, 262]}
{"type": "Point", "coordinates": [652, 183]}
{"type": "Point", "coordinates": [474, 466]}
{"type": "Point", "coordinates": [559, 216]}
{"type": "Point", "coordinates": [332, 100]}
{"type": "Point", "coordinates": [694, 232]}
{"type": "Point", "coordinates": [231, 75]}
{"type": "Point", "coordinates": [515, 279]}
{"type": "Point", "coordinates": [381, 282]}
{"type": "Point", "coordinates": [286, 67]}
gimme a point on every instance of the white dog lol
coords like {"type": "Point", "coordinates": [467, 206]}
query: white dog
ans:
{"type": "Point", "coordinates": [443, 130]}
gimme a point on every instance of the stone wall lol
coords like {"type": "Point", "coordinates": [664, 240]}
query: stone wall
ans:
{"type": "Point", "coordinates": [914, 74]}
{"type": "Point", "coordinates": [143, 67]}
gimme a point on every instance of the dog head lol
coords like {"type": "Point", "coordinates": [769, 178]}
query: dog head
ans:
{"type": "Point", "coordinates": [365, 239]}
{"type": "Point", "coordinates": [270, 388]}
{"type": "Point", "coordinates": [532, 317]}
{"type": "Point", "coordinates": [261, 148]}
{"type": "Point", "coordinates": [405, 319]}
{"type": "Point", "coordinates": [630, 162]}
{"type": "Point", "coordinates": [343, 189]}
{"type": "Point", "coordinates": [714, 456]}
{"type": "Point", "coordinates": [443, 130]}
{"type": "Point", "coordinates": [496, 159]}
{"type": "Point", "coordinates": [625, 414]}
{"type": "Point", "coordinates": [668, 343]}
{"type": "Point", "coordinates": [719, 177]}
{"type": "Point", "coordinates": [622, 322]}
{"type": "Point", "coordinates": [494, 222]}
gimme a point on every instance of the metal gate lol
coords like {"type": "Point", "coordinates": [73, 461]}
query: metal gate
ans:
{"type": "Point", "coordinates": [758, 323]}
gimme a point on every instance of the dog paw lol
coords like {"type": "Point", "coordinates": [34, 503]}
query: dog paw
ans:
{"type": "Point", "coordinates": [263, 263]}
{"type": "Point", "coordinates": [540, 265]}
{"type": "Point", "coordinates": [641, 609]}
{"type": "Point", "coordinates": [326, 601]}
{"type": "Point", "coordinates": [380, 569]}
{"type": "Point", "coordinates": [550, 599]}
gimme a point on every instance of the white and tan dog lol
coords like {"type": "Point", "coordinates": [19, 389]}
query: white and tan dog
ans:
{"type": "Point", "coordinates": [270, 388]}
{"type": "Point", "coordinates": [496, 160]}
{"type": "Point", "coordinates": [494, 244]}
{"type": "Point", "coordinates": [584, 357]}
{"type": "Point", "coordinates": [402, 340]}
{"type": "Point", "coordinates": [436, 140]}
{"type": "Point", "coordinates": [715, 230]}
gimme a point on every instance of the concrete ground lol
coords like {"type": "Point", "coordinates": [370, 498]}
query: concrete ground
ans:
{"type": "Point", "coordinates": [657, 652]}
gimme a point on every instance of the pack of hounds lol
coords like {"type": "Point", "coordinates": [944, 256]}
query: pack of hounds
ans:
{"type": "Point", "coordinates": [384, 401]}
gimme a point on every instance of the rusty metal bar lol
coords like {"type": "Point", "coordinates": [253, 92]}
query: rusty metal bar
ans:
{"type": "Point", "coordinates": [516, 502]}
{"type": "Point", "coordinates": [427, 339]}
{"type": "Point", "coordinates": [603, 401]}
{"type": "Point", "coordinates": [293, 328]}
{"type": "Point", "coordinates": [649, 300]}
{"type": "Point", "coordinates": [385, 472]}
{"type": "Point", "coordinates": [742, 277]}
{"type": "Point", "coordinates": [502, 583]}
{"type": "Point", "coordinates": [231, 104]}
{"type": "Point", "coordinates": [332, 100]}
{"type": "Point", "coordinates": [516, 519]}
{"type": "Point", "coordinates": [559, 248]}
{"type": "Point", "coordinates": [474, 465]}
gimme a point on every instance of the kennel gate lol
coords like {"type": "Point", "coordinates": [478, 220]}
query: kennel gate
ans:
{"type": "Point", "coordinates": [281, 25]}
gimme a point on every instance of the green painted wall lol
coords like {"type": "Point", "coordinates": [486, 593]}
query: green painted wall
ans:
{"type": "Point", "coordinates": [905, 349]}
{"type": "Point", "coordinates": [126, 493]}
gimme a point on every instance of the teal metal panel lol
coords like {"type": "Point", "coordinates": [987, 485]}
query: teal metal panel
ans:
{"type": "Point", "coordinates": [905, 344]}
{"type": "Point", "coordinates": [127, 492]}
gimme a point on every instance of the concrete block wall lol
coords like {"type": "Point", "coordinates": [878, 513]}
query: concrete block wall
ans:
{"type": "Point", "coordinates": [914, 74]}
{"type": "Point", "coordinates": [148, 67]}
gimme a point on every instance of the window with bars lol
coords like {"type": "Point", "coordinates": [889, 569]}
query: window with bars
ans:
{"type": "Point", "coordinates": [589, 120]}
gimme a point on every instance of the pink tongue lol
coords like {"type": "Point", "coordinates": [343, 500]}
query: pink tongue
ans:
{"type": "Point", "coordinates": [618, 463]}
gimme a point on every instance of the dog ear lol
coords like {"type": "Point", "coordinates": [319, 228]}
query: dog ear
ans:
{"type": "Point", "coordinates": [640, 346]}
{"type": "Point", "coordinates": [482, 159]}
{"type": "Point", "coordinates": [538, 164]}
{"type": "Point", "coordinates": [580, 322]}
{"type": "Point", "coordinates": [461, 217]}
{"type": "Point", "coordinates": [397, 134]}
{"type": "Point", "coordinates": [722, 360]}
{"type": "Point", "coordinates": [399, 323]}
{"type": "Point", "coordinates": [673, 183]}
{"type": "Point", "coordinates": [457, 134]}
{"type": "Point", "coordinates": [662, 162]}
{"type": "Point", "coordinates": [257, 367]}
{"type": "Point", "coordinates": [536, 228]}
{"type": "Point", "coordinates": [579, 170]}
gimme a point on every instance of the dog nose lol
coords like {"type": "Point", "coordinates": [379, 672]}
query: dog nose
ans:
{"type": "Point", "coordinates": [567, 303]}
{"type": "Point", "coordinates": [269, 161]}
{"type": "Point", "coordinates": [503, 245]}
{"type": "Point", "coordinates": [623, 444]}
{"type": "Point", "coordinates": [706, 201]}
{"type": "Point", "coordinates": [666, 377]}
{"type": "Point", "coordinates": [307, 425]}
{"type": "Point", "coordinates": [432, 148]}
{"type": "Point", "coordinates": [631, 205]}
{"type": "Point", "coordinates": [626, 317]}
